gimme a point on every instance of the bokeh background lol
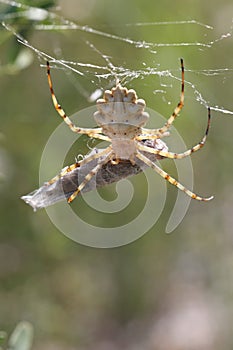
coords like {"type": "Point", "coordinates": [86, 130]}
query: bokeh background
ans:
{"type": "Point", "coordinates": [162, 291]}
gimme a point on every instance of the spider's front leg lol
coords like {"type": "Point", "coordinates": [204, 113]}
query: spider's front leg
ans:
{"type": "Point", "coordinates": [180, 104]}
{"type": "Point", "coordinates": [158, 133]}
{"type": "Point", "coordinates": [95, 132]}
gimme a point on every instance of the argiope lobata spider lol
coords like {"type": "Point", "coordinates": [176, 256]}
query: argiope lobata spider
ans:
{"type": "Point", "coordinates": [120, 118]}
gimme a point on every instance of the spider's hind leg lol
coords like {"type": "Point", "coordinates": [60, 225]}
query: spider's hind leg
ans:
{"type": "Point", "coordinates": [170, 179]}
{"type": "Point", "coordinates": [89, 158]}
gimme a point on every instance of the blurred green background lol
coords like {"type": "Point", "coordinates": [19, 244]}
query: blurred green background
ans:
{"type": "Point", "coordinates": [162, 291]}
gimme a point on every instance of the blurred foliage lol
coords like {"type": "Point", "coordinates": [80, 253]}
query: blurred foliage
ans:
{"type": "Point", "coordinates": [17, 57]}
{"type": "Point", "coordinates": [162, 291]}
{"type": "Point", "coordinates": [20, 339]}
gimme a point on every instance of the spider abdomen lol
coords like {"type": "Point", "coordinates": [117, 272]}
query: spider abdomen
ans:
{"type": "Point", "coordinates": [121, 105]}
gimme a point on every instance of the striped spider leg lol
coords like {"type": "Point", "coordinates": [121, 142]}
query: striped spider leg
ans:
{"type": "Point", "coordinates": [79, 164]}
{"type": "Point", "coordinates": [104, 157]}
{"type": "Point", "coordinates": [90, 175]}
{"type": "Point", "coordinates": [95, 132]}
{"type": "Point", "coordinates": [170, 179]}
{"type": "Point", "coordinates": [161, 132]}
{"type": "Point", "coordinates": [172, 155]}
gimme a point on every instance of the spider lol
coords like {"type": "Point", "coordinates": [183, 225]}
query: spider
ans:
{"type": "Point", "coordinates": [120, 117]}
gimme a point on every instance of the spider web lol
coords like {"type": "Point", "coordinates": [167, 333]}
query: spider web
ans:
{"type": "Point", "coordinates": [105, 73]}
{"type": "Point", "coordinates": [150, 67]}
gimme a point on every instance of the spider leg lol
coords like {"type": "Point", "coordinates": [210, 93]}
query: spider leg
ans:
{"type": "Point", "coordinates": [180, 104]}
{"type": "Point", "coordinates": [88, 177]}
{"type": "Point", "coordinates": [79, 164]}
{"type": "Point", "coordinates": [175, 113]}
{"type": "Point", "coordinates": [170, 179]}
{"type": "Point", "coordinates": [172, 155]}
{"type": "Point", "coordinates": [63, 172]}
{"type": "Point", "coordinates": [90, 132]}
